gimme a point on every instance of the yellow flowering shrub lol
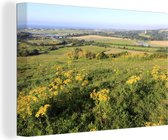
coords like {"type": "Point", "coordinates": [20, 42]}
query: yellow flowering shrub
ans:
{"type": "Point", "coordinates": [155, 72]}
{"type": "Point", "coordinates": [157, 75]}
{"type": "Point", "coordinates": [153, 124]}
{"type": "Point", "coordinates": [25, 103]}
{"type": "Point", "coordinates": [35, 97]}
{"type": "Point", "coordinates": [133, 80]}
{"type": "Point", "coordinates": [58, 68]}
{"type": "Point", "coordinates": [67, 81]}
{"type": "Point", "coordinates": [68, 74]}
{"type": "Point", "coordinates": [93, 129]}
{"type": "Point", "coordinates": [42, 111]}
{"type": "Point", "coordinates": [85, 83]}
{"type": "Point", "coordinates": [79, 77]}
{"type": "Point", "coordinates": [38, 90]}
{"type": "Point", "coordinates": [101, 95]}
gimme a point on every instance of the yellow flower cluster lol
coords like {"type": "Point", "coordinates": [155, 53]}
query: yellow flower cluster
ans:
{"type": "Point", "coordinates": [152, 124]}
{"type": "Point", "coordinates": [23, 105]}
{"type": "Point", "coordinates": [163, 77]}
{"type": "Point", "coordinates": [37, 91]}
{"type": "Point", "coordinates": [155, 72]}
{"type": "Point", "coordinates": [67, 81]}
{"type": "Point", "coordinates": [69, 62]}
{"type": "Point", "coordinates": [68, 74]}
{"type": "Point", "coordinates": [79, 77]}
{"type": "Point", "coordinates": [64, 78]}
{"type": "Point", "coordinates": [58, 68]}
{"type": "Point", "coordinates": [157, 75]}
{"type": "Point", "coordinates": [101, 95]}
{"type": "Point", "coordinates": [42, 111]}
{"type": "Point", "coordinates": [56, 85]}
{"type": "Point", "coordinates": [93, 129]}
{"type": "Point", "coordinates": [27, 103]}
{"type": "Point", "coordinates": [133, 80]}
{"type": "Point", "coordinates": [41, 93]}
{"type": "Point", "coordinates": [85, 83]}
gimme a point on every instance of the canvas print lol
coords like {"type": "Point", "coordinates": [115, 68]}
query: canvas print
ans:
{"type": "Point", "coordinates": [83, 69]}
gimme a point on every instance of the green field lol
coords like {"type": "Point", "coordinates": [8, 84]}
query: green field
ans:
{"type": "Point", "coordinates": [104, 39]}
{"type": "Point", "coordinates": [91, 87]}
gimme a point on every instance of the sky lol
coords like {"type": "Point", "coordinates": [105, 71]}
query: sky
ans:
{"type": "Point", "coordinates": [57, 16]}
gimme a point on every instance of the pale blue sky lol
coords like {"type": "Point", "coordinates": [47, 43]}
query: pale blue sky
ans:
{"type": "Point", "coordinates": [47, 15]}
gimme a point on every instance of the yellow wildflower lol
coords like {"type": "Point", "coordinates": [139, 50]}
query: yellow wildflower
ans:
{"type": "Point", "coordinates": [93, 129]}
{"type": "Point", "coordinates": [79, 77]}
{"type": "Point", "coordinates": [162, 77]}
{"type": "Point", "coordinates": [35, 99]}
{"type": "Point", "coordinates": [85, 82]}
{"type": "Point", "coordinates": [24, 105]}
{"type": "Point", "coordinates": [100, 95]}
{"type": "Point", "coordinates": [55, 93]}
{"type": "Point", "coordinates": [157, 75]}
{"type": "Point", "coordinates": [67, 81]}
{"type": "Point", "coordinates": [57, 73]}
{"type": "Point", "coordinates": [58, 80]}
{"type": "Point", "coordinates": [68, 74]}
{"type": "Point", "coordinates": [37, 91]}
{"type": "Point", "coordinates": [155, 72]}
{"type": "Point", "coordinates": [50, 89]}
{"type": "Point", "coordinates": [42, 111]}
{"type": "Point", "coordinates": [55, 87]}
{"type": "Point", "coordinates": [61, 87]}
{"type": "Point", "coordinates": [58, 68]}
{"type": "Point", "coordinates": [69, 62]}
{"type": "Point", "coordinates": [133, 79]}
{"type": "Point", "coordinates": [152, 124]}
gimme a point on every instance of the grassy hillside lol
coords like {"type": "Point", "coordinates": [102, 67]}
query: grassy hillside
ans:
{"type": "Point", "coordinates": [90, 88]}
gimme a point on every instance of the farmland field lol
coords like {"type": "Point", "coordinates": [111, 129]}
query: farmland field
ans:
{"type": "Point", "coordinates": [89, 82]}
{"type": "Point", "coordinates": [96, 37]}
{"type": "Point", "coordinates": [106, 39]}
{"type": "Point", "coordinates": [159, 43]}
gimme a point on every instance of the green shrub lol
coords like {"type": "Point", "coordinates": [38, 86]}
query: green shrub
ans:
{"type": "Point", "coordinates": [101, 55]}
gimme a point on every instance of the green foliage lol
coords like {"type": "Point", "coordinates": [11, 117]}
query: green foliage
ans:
{"type": "Point", "coordinates": [118, 54]}
{"type": "Point", "coordinates": [61, 95]}
{"type": "Point", "coordinates": [101, 55]}
{"type": "Point", "coordinates": [79, 53]}
{"type": "Point", "coordinates": [73, 103]}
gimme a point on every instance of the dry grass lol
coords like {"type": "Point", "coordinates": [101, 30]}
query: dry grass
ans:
{"type": "Point", "coordinates": [115, 50]}
{"type": "Point", "coordinates": [96, 37]}
{"type": "Point", "coordinates": [159, 43]}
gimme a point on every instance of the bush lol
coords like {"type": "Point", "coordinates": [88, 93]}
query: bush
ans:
{"type": "Point", "coordinates": [101, 55]}
{"type": "Point", "coordinates": [118, 54]}
{"type": "Point", "coordinates": [89, 55]}
{"type": "Point", "coordinates": [79, 53]}
{"type": "Point", "coordinates": [159, 55]}
{"type": "Point", "coordinates": [26, 52]}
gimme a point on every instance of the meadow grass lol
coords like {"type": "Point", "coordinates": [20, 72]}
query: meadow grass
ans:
{"type": "Point", "coordinates": [57, 94]}
{"type": "Point", "coordinates": [103, 39]}
{"type": "Point", "coordinates": [32, 67]}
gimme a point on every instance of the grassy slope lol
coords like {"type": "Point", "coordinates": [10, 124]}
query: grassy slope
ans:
{"type": "Point", "coordinates": [104, 39]}
{"type": "Point", "coordinates": [37, 70]}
